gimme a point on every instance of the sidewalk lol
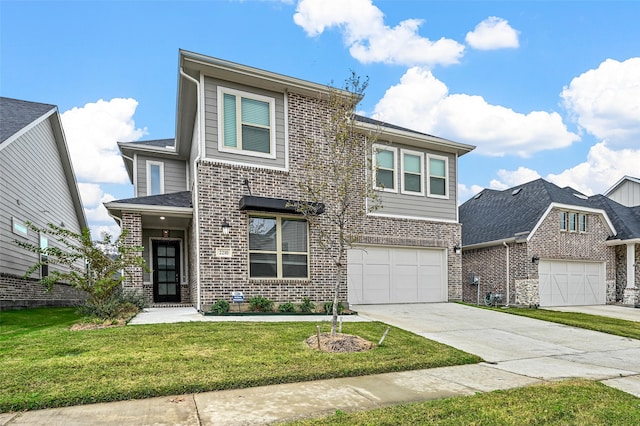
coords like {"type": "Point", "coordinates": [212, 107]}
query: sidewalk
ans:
{"type": "Point", "coordinates": [268, 404]}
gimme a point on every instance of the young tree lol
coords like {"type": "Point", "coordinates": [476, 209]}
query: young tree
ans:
{"type": "Point", "coordinates": [337, 188]}
{"type": "Point", "coordinates": [94, 267]}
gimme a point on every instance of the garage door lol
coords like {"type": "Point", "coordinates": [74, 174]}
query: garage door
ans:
{"type": "Point", "coordinates": [571, 283]}
{"type": "Point", "coordinates": [396, 275]}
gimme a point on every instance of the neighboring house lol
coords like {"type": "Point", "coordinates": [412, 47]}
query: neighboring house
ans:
{"type": "Point", "coordinates": [539, 244]}
{"type": "Point", "coordinates": [212, 208]}
{"type": "Point", "coordinates": [37, 184]}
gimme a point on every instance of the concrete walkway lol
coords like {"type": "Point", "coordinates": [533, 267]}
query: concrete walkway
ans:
{"type": "Point", "coordinates": [521, 351]}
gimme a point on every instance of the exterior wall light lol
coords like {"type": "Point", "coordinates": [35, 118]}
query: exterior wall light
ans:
{"type": "Point", "coordinates": [225, 226]}
{"type": "Point", "coordinates": [535, 259]}
{"type": "Point", "coordinates": [457, 249]}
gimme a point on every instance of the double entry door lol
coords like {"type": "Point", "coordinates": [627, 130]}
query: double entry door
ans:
{"type": "Point", "coordinates": [166, 271]}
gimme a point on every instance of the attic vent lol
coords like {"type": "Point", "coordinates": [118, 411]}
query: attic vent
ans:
{"type": "Point", "coordinates": [582, 197]}
{"type": "Point", "coordinates": [516, 191]}
{"type": "Point", "coordinates": [478, 195]}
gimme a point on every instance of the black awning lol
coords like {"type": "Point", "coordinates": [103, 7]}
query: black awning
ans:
{"type": "Point", "coordinates": [276, 205]}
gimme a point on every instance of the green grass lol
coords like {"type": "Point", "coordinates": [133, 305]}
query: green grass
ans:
{"type": "Point", "coordinates": [43, 364]}
{"type": "Point", "coordinates": [618, 327]}
{"type": "Point", "coordinates": [573, 402]}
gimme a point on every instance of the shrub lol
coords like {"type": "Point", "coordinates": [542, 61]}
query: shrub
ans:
{"type": "Point", "coordinates": [119, 305]}
{"type": "Point", "coordinates": [307, 306]}
{"type": "Point", "coordinates": [328, 308]}
{"type": "Point", "coordinates": [287, 307]}
{"type": "Point", "coordinates": [260, 304]}
{"type": "Point", "coordinates": [220, 307]}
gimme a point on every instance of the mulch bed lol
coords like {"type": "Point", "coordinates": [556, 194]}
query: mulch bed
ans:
{"type": "Point", "coordinates": [339, 343]}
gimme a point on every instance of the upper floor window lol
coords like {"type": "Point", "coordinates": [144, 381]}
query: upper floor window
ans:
{"type": "Point", "coordinates": [384, 160]}
{"type": "Point", "coordinates": [412, 172]}
{"type": "Point", "coordinates": [246, 123]}
{"type": "Point", "coordinates": [438, 170]}
{"type": "Point", "coordinates": [278, 247]}
{"type": "Point", "coordinates": [155, 178]}
{"type": "Point", "coordinates": [573, 221]}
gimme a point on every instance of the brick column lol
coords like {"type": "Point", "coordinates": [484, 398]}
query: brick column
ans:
{"type": "Point", "coordinates": [132, 222]}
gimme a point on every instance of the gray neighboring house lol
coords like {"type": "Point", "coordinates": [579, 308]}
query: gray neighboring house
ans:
{"type": "Point", "coordinates": [539, 244]}
{"type": "Point", "coordinates": [237, 159]}
{"type": "Point", "coordinates": [37, 184]}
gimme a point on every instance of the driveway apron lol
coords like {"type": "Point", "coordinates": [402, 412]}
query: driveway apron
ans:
{"type": "Point", "coordinates": [525, 346]}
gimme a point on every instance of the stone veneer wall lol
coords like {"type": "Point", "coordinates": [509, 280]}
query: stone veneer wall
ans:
{"type": "Point", "coordinates": [17, 292]}
{"type": "Point", "coordinates": [221, 187]}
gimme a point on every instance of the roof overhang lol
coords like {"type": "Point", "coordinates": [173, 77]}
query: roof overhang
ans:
{"type": "Point", "coordinates": [618, 242]}
{"type": "Point", "coordinates": [154, 217]}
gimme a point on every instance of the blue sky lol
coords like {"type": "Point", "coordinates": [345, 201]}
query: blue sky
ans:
{"type": "Point", "coordinates": [543, 88]}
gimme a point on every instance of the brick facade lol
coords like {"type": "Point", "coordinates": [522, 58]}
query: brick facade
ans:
{"type": "Point", "coordinates": [548, 243]}
{"type": "Point", "coordinates": [132, 222]}
{"type": "Point", "coordinates": [17, 292]}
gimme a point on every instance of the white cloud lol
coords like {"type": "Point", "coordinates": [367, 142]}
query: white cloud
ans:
{"type": "Point", "coordinates": [93, 197]}
{"type": "Point", "coordinates": [465, 192]}
{"type": "Point", "coordinates": [511, 178]}
{"type": "Point", "coordinates": [92, 133]}
{"type": "Point", "coordinates": [493, 33]}
{"type": "Point", "coordinates": [369, 39]}
{"type": "Point", "coordinates": [421, 102]}
{"type": "Point", "coordinates": [606, 101]}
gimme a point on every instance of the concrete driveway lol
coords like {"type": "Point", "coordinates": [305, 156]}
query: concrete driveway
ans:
{"type": "Point", "coordinates": [520, 345]}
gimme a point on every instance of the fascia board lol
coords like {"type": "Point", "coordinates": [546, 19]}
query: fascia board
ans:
{"type": "Point", "coordinates": [612, 229]}
{"type": "Point", "coordinates": [146, 208]}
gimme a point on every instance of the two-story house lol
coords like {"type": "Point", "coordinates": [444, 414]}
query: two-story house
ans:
{"type": "Point", "coordinates": [37, 185]}
{"type": "Point", "coordinates": [539, 244]}
{"type": "Point", "coordinates": [213, 208]}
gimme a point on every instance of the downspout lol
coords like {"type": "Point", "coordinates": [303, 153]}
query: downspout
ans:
{"type": "Point", "coordinates": [508, 280]}
{"type": "Point", "coordinates": [195, 189]}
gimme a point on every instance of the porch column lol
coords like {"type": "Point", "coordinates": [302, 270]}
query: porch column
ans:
{"type": "Point", "coordinates": [132, 222]}
{"type": "Point", "coordinates": [631, 294]}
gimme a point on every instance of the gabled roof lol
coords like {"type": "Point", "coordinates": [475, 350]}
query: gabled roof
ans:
{"type": "Point", "coordinates": [625, 219]}
{"type": "Point", "coordinates": [157, 148]}
{"type": "Point", "coordinates": [494, 216]}
{"type": "Point", "coordinates": [15, 115]}
{"type": "Point", "coordinates": [620, 182]}
{"type": "Point", "coordinates": [175, 199]}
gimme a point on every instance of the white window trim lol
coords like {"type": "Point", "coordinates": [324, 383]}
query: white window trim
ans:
{"type": "Point", "coordinates": [278, 251]}
{"type": "Point", "coordinates": [155, 163]}
{"type": "Point", "coordinates": [446, 176]}
{"type": "Point", "coordinates": [272, 120]}
{"type": "Point", "coordinates": [17, 227]}
{"type": "Point", "coordinates": [402, 172]}
{"type": "Point", "coordinates": [567, 223]}
{"type": "Point", "coordinates": [376, 148]}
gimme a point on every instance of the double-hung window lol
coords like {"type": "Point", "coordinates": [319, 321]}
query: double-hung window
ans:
{"type": "Point", "coordinates": [246, 123]}
{"type": "Point", "coordinates": [412, 172]}
{"type": "Point", "coordinates": [278, 247]}
{"type": "Point", "coordinates": [438, 169]}
{"type": "Point", "coordinates": [384, 162]}
{"type": "Point", "coordinates": [155, 177]}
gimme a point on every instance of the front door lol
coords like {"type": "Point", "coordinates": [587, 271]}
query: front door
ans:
{"type": "Point", "coordinates": [166, 271]}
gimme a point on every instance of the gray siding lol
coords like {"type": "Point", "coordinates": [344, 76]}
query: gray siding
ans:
{"type": "Point", "coordinates": [211, 126]}
{"type": "Point", "coordinates": [33, 188]}
{"type": "Point", "coordinates": [175, 174]}
{"type": "Point", "coordinates": [421, 206]}
{"type": "Point", "coordinates": [628, 194]}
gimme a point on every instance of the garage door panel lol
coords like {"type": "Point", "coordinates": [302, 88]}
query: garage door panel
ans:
{"type": "Point", "coordinates": [565, 283]}
{"type": "Point", "coordinates": [397, 275]}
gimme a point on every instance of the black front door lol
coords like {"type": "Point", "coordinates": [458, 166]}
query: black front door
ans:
{"type": "Point", "coordinates": [166, 271]}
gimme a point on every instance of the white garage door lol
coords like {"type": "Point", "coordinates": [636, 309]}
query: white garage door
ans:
{"type": "Point", "coordinates": [571, 283]}
{"type": "Point", "coordinates": [396, 275]}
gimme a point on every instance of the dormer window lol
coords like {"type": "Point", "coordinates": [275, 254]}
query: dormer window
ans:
{"type": "Point", "coordinates": [246, 123]}
{"type": "Point", "coordinates": [155, 177]}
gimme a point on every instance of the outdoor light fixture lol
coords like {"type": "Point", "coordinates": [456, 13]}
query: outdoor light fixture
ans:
{"type": "Point", "coordinates": [161, 217]}
{"type": "Point", "coordinates": [535, 259]}
{"type": "Point", "coordinates": [225, 226]}
{"type": "Point", "coordinates": [457, 249]}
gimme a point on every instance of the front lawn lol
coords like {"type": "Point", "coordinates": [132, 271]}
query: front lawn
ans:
{"type": "Point", "coordinates": [43, 364]}
{"type": "Point", "coordinates": [618, 327]}
{"type": "Point", "coordinates": [572, 402]}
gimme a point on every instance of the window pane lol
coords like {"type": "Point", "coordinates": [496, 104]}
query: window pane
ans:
{"type": "Point", "coordinates": [437, 186]}
{"type": "Point", "coordinates": [155, 179]}
{"type": "Point", "coordinates": [294, 235]}
{"type": "Point", "coordinates": [385, 159]}
{"type": "Point", "coordinates": [162, 289]}
{"type": "Point", "coordinates": [583, 223]}
{"type": "Point", "coordinates": [412, 182]}
{"type": "Point", "coordinates": [162, 251]}
{"type": "Point", "coordinates": [384, 179]}
{"type": "Point", "coordinates": [572, 222]}
{"type": "Point", "coordinates": [171, 251]}
{"type": "Point", "coordinates": [262, 233]}
{"type": "Point", "coordinates": [563, 220]}
{"type": "Point", "coordinates": [162, 262]}
{"type": "Point", "coordinates": [436, 167]}
{"type": "Point", "coordinates": [256, 139]}
{"type": "Point", "coordinates": [263, 265]}
{"type": "Point", "coordinates": [294, 266]}
{"type": "Point", "coordinates": [255, 112]}
{"type": "Point", "coordinates": [412, 163]}
{"type": "Point", "coordinates": [230, 121]}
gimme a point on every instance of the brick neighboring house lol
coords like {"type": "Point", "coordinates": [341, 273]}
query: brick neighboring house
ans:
{"type": "Point", "coordinates": [37, 184]}
{"type": "Point", "coordinates": [539, 244]}
{"type": "Point", "coordinates": [237, 159]}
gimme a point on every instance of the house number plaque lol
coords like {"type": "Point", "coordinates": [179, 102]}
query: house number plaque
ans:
{"type": "Point", "coordinates": [223, 251]}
